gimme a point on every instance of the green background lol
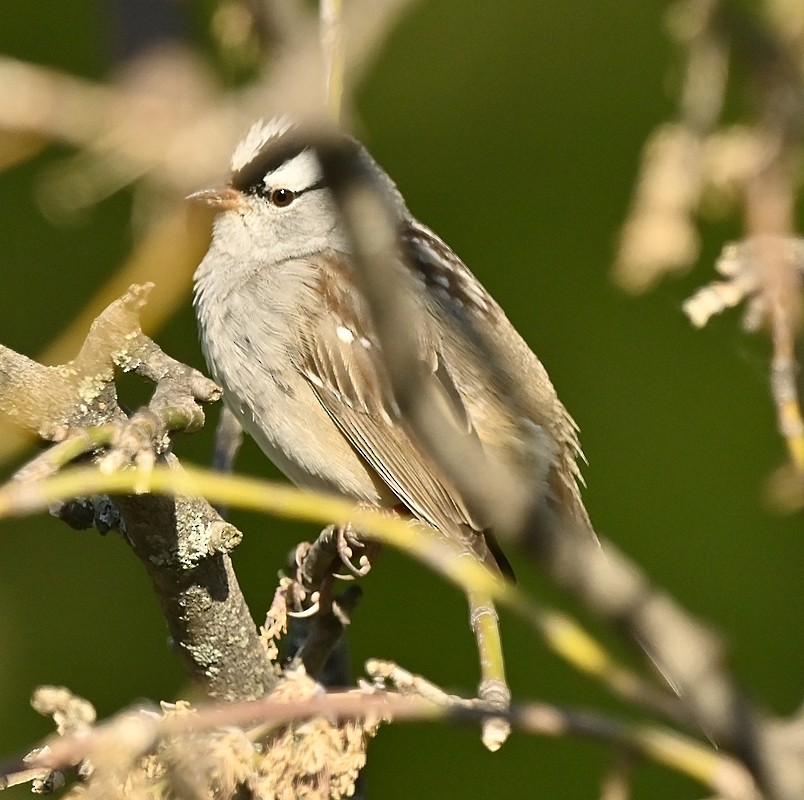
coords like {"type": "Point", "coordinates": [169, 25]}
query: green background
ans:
{"type": "Point", "coordinates": [514, 129]}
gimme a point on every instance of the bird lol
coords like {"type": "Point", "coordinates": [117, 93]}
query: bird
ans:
{"type": "Point", "coordinates": [288, 334]}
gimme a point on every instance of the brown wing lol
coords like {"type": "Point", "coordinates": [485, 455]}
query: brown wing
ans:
{"type": "Point", "coordinates": [341, 359]}
{"type": "Point", "coordinates": [495, 412]}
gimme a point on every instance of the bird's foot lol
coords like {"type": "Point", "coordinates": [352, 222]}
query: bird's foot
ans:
{"type": "Point", "coordinates": [347, 541]}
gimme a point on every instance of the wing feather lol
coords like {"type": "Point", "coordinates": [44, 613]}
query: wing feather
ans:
{"type": "Point", "coordinates": [342, 361]}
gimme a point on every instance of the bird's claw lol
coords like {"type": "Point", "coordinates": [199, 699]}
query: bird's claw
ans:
{"type": "Point", "coordinates": [346, 541]}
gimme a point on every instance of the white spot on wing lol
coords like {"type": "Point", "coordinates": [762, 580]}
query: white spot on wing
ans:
{"type": "Point", "coordinates": [344, 334]}
{"type": "Point", "coordinates": [314, 379]}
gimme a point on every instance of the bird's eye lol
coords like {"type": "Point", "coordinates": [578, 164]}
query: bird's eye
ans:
{"type": "Point", "coordinates": [282, 197]}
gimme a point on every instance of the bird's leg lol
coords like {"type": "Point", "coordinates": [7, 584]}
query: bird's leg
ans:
{"type": "Point", "coordinates": [316, 619]}
{"type": "Point", "coordinates": [348, 539]}
{"type": "Point", "coordinates": [333, 549]}
{"type": "Point", "coordinates": [228, 440]}
{"type": "Point", "coordinates": [314, 561]}
{"type": "Point", "coordinates": [493, 689]}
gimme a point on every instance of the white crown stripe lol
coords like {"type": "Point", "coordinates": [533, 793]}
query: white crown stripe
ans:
{"type": "Point", "coordinates": [259, 134]}
{"type": "Point", "coordinates": [297, 173]}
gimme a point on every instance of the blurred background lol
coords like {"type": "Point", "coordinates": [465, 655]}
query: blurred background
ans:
{"type": "Point", "coordinates": [514, 130]}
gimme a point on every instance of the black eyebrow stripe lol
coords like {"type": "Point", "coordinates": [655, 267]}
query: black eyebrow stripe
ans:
{"type": "Point", "coordinates": [276, 152]}
{"type": "Point", "coordinates": [317, 185]}
{"type": "Point", "coordinates": [253, 173]}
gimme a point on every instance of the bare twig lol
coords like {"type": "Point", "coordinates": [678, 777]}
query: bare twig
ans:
{"type": "Point", "coordinates": [419, 700]}
{"type": "Point", "coordinates": [332, 46]}
{"type": "Point", "coordinates": [755, 164]}
{"type": "Point", "coordinates": [659, 235]}
{"type": "Point", "coordinates": [769, 214]}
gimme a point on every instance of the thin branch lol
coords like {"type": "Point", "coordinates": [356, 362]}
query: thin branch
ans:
{"type": "Point", "coordinates": [331, 24]}
{"type": "Point", "coordinates": [755, 164]}
{"type": "Point", "coordinates": [421, 701]}
{"type": "Point", "coordinates": [564, 636]}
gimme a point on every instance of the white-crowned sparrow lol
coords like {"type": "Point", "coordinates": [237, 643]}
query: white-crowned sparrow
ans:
{"type": "Point", "coordinates": [288, 336]}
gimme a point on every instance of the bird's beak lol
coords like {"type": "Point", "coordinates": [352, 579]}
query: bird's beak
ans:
{"type": "Point", "coordinates": [224, 198]}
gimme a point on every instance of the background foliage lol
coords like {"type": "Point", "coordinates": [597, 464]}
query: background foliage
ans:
{"type": "Point", "coordinates": [514, 130]}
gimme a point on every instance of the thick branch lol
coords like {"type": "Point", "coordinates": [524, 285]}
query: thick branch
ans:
{"type": "Point", "coordinates": [183, 543]}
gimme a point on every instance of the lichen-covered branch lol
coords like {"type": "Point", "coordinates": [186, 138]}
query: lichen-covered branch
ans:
{"type": "Point", "coordinates": [182, 542]}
